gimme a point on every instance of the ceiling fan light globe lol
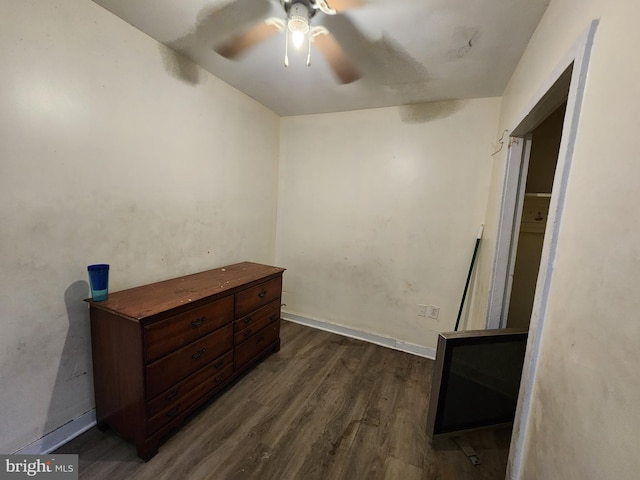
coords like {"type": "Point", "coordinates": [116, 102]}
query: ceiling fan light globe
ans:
{"type": "Point", "coordinates": [298, 39]}
{"type": "Point", "coordinates": [298, 25]}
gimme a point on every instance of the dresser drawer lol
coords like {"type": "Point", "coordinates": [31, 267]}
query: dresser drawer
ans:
{"type": "Point", "coordinates": [255, 297]}
{"type": "Point", "coordinates": [249, 325]}
{"type": "Point", "coordinates": [168, 335]}
{"type": "Point", "coordinates": [254, 346]}
{"type": "Point", "coordinates": [179, 406]}
{"type": "Point", "coordinates": [169, 370]}
{"type": "Point", "coordinates": [176, 393]}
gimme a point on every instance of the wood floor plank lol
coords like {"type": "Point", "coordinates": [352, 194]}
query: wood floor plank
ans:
{"type": "Point", "coordinates": [397, 469]}
{"type": "Point", "coordinates": [408, 438]}
{"type": "Point", "coordinates": [333, 395]}
{"type": "Point", "coordinates": [324, 407]}
{"type": "Point", "coordinates": [341, 419]}
{"type": "Point", "coordinates": [377, 422]}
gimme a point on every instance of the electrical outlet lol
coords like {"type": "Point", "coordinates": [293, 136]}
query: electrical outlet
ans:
{"type": "Point", "coordinates": [422, 310]}
{"type": "Point", "coordinates": [434, 311]}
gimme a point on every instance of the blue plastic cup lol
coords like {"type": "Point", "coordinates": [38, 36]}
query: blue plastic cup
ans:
{"type": "Point", "coordinates": [99, 281]}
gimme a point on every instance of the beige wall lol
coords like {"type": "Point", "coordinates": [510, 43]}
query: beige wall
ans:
{"type": "Point", "coordinates": [585, 415]}
{"type": "Point", "coordinates": [111, 150]}
{"type": "Point", "coordinates": [379, 210]}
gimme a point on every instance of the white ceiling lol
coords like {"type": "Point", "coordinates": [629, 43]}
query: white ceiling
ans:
{"type": "Point", "coordinates": [408, 51]}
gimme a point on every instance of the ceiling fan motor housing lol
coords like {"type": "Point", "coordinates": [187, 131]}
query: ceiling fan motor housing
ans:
{"type": "Point", "coordinates": [299, 18]}
{"type": "Point", "coordinates": [299, 8]}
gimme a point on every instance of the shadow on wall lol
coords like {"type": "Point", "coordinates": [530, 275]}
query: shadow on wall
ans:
{"type": "Point", "coordinates": [427, 112]}
{"type": "Point", "coordinates": [180, 67]}
{"type": "Point", "coordinates": [72, 392]}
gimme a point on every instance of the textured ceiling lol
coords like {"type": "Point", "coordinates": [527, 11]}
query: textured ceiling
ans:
{"type": "Point", "coordinates": [407, 51]}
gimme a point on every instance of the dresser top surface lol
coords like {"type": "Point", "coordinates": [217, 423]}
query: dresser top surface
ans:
{"type": "Point", "coordinates": [148, 300]}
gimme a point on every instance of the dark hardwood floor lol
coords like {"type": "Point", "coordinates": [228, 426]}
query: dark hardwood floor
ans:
{"type": "Point", "coordinates": [324, 407]}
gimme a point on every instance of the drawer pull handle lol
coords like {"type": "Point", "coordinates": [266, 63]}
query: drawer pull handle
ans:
{"type": "Point", "coordinates": [247, 333]}
{"type": "Point", "coordinates": [273, 317]}
{"type": "Point", "coordinates": [219, 364]}
{"type": "Point", "coordinates": [260, 340]}
{"type": "Point", "coordinates": [174, 393]}
{"type": "Point", "coordinates": [219, 378]}
{"type": "Point", "coordinates": [198, 355]}
{"type": "Point", "coordinates": [247, 320]}
{"type": "Point", "coordinates": [197, 323]}
{"type": "Point", "coordinates": [262, 294]}
{"type": "Point", "coordinates": [172, 413]}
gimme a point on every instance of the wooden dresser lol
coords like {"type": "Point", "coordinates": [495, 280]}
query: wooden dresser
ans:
{"type": "Point", "coordinates": [161, 350]}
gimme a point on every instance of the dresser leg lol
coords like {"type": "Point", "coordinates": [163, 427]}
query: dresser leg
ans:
{"type": "Point", "coordinates": [276, 347]}
{"type": "Point", "coordinates": [102, 426]}
{"type": "Point", "coordinates": [147, 452]}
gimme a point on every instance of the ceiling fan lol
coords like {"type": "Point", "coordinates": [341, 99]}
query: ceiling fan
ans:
{"type": "Point", "coordinates": [298, 28]}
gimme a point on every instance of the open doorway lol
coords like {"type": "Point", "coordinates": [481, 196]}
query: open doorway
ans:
{"type": "Point", "coordinates": [545, 187]}
{"type": "Point", "coordinates": [542, 162]}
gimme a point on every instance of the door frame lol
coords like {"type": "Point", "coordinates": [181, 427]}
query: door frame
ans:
{"type": "Point", "coordinates": [509, 230]}
{"type": "Point", "coordinates": [570, 74]}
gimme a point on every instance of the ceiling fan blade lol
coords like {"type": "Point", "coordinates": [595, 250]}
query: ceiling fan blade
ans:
{"type": "Point", "coordinates": [337, 58]}
{"type": "Point", "coordinates": [215, 24]}
{"type": "Point", "coordinates": [247, 39]}
{"type": "Point", "coordinates": [342, 5]}
{"type": "Point", "coordinates": [381, 61]}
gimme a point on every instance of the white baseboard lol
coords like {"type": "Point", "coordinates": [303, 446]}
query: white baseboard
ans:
{"type": "Point", "coordinates": [60, 436]}
{"type": "Point", "coordinates": [418, 350]}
